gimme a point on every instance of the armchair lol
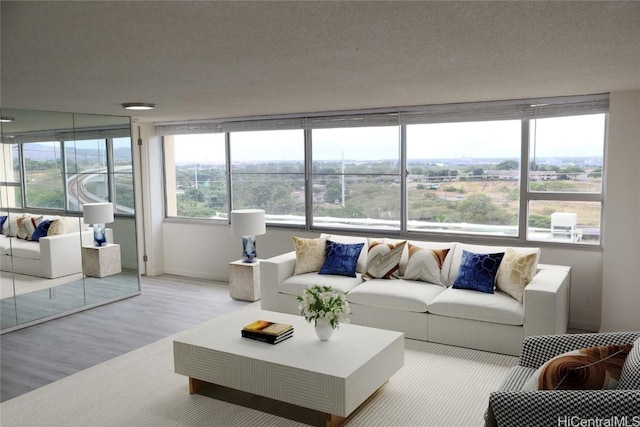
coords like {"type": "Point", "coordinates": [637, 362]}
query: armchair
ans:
{"type": "Point", "coordinates": [509, 406]}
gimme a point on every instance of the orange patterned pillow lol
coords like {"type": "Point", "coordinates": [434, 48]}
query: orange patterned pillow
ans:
{"type": "Point", "coordinates": [593, 368]}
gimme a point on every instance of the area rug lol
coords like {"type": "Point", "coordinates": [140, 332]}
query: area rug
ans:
{"type": "Point", "coordinates": [438, 386]}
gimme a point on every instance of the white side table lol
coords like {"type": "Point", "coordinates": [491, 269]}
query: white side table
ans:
{"type": "Point", "coordinates": [244, 280]}
{"type": "Point", "coordinates": [101, 261]}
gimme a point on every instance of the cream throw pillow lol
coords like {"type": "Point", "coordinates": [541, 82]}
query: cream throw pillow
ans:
{"type": "Point", "coordinates": [425, 265]}
{"type": "Point", "coordinates": [383, 259]}
{"type": "Point", "coordinates": [58, 226]}
{"type": "Point", "coordinates": [515, 273]}
{"type": "Point", "coordinates": [310, 254]}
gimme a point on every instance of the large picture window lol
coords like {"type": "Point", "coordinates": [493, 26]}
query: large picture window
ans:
{"type": "Point", "coordinates": [356, 177]}
{"type": "Point", "coordinates": [464, 177]}
{"type": "Point", "coordinates": [267, 172]}
{"type": "Point", "coordinates": [529, 170]}
{"type": "Point", "coordinates": [195, 176]}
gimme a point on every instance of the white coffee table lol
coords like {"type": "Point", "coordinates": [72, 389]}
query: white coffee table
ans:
{"type": "Point", "coordinates": [334, 377]}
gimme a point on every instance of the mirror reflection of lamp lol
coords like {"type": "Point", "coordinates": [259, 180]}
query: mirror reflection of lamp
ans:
{"type": "Point", "coordinates": [248, 223]}
{"type": "Point", "coordinates": [98, 214]}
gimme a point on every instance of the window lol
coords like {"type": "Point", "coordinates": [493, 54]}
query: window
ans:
{"type": "Point", "coordinates": [565, 178]}
{"type": "Point", "coordinates": [122, 176]}
{"type": "Point", "coordinates": [356, 177]}
{"type": "Point", "coordinates": [267, 172]}
{"type": "Point", "coordinates": [10, 189]}
{"type": "Point", "coordinates": [195, 176]}
{"type": "Point", "coordinates": [464, 177]}
{"type": "Point", "coordinates": [87, 177]}
{"type": "Point", "coordinates": [44, 186]}
{"type": "Point", "coordinates": [522, 169]}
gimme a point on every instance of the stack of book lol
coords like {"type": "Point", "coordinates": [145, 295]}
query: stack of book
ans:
{"type": "Point", "coordinates": [266, 331]}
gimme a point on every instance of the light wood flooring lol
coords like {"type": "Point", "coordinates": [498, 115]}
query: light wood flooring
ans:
{"type": "Point", "coordinates": [40, 354]}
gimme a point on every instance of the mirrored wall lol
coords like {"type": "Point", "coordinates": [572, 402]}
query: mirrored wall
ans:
{"type": "Point", "coordinates": [52, 164]}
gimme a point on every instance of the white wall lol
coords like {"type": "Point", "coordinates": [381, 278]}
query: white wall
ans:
{"type": "Point", "coordinates": [621, 273]}
{"type": "Point", "coordinates": [204, 250]}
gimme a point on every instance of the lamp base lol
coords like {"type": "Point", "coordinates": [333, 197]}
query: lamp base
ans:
{"type": "Point", "coordinates": [249, 253]}
{"type": "Point", "coordinates": [99, 235]}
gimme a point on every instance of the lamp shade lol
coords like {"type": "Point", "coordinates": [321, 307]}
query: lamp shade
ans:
{"type": "Point", "coordinates": [248, 222]}
{"type": "Point", "coordinates": [97, 213]}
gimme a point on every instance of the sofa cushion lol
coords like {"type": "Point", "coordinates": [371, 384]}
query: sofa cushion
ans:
{"type": "Point", "coordinates": [630, 376]}
{"type": "Point", "coordinates": [310, 254]}
{"type": "Point", "coordinates": [341, 258]}
{"type": "Point", "coordinates": [362, 259]}
{"type": "Point", "coordinates": [467, 304]}
{"type": "Point", "coordinates": [296, 285]}
{"type": "Point", "coordinates": [515, 272]}
{"type": "Point", "coordinates": [425, 265]}
{"type": "Point", "coordinates": [383, 259]}
{"type": "Point", "coordinates": [478, 271]}
{"type": "Point", "coordinates": [403, 295]}
{"type": "Point", "coordinates": [25, 249]}
{"type": "Point", "coordinates": [479, 249]}
{"type": "Point", "coordinates": [592, 368]}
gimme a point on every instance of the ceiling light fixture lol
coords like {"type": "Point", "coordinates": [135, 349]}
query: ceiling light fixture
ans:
{"type": "Point", "coordinates": [7, 119]}
{"type": "Point", "coordinates": [138, 106]}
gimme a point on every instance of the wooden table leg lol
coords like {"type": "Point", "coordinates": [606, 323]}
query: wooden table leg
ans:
{"type": "Point", "coordinates": [334, 420]}
{"type": "Point", "coordinates": [195, 385]}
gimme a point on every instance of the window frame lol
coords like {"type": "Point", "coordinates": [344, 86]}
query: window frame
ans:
{"type": "Point", "coordinates": [524, 110]}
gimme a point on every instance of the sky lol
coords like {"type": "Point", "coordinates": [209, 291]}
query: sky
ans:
{"type": "Point", "coordinates": [581, 136]}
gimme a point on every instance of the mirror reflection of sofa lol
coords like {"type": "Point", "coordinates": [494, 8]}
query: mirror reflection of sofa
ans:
{"type": "Point", "coordinates": [42, 245]}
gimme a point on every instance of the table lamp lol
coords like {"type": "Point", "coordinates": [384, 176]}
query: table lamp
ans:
{"type": "Point", "coordinates": [248, 223]}
{"type": "Point", "coordinates": [98, 214]}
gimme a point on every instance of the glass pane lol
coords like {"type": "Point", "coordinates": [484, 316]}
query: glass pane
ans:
{"type": "Point", "coordinates": [267, 172]}
{"type": "Point", "coordinates": [10, 196]}
{"type": "Point", "coordinates": [123, 176]}
{"type": "Point", "coordinates": [567, 154]}
{"type": "Point", "coordinates": [356, 201]}
{"type": "Point", "coordinates": [43, 175]}
{"type": "Point", "coordinates": [367, 150]}
{"type": "Point", "coordinates": [564, 221]}
{"type": "Point", "coordinates": [356, 177]}
{"type": "Point", "coordinates": [88, 156]}
{"type": "Point", "coordinates": [124, 193]}
{"type": "Point", "coordinates": [464, 177]}
{"type": "Point", "coordinates": [280, 195]}
{"type": "Point", "coordinates": [195, 176]}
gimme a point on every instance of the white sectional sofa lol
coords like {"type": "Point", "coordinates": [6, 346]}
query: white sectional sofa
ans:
{"type": "Point", "coordinates": [440, 313]}
{"type": "Point", "coordinates": [53, 256]}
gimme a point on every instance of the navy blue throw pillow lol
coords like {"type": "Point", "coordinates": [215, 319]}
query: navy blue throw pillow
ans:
{"type": "Point", "coordinates": [478, 271]}
{"type": "Point", "coordinates": [41, 230]}
{"type": "Point", "coordinates": [341, 258]}
{"type": "Point", "coordinates": [3, 218]}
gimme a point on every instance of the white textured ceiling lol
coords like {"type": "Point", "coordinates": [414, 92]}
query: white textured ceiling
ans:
{"type": "Point", "coordinates": [214, 59]}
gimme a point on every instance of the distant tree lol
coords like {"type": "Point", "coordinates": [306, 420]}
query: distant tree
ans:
{"type": "Point", "coordinates": [508, 165]}
{"type": "Point", "coordinates": [479, 209]}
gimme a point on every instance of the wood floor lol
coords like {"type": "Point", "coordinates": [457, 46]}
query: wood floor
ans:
{"type": "Point", "coordinates": [40, 354]}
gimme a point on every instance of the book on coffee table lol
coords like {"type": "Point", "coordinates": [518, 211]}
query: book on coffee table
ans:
{"type": "Point", "coordinates": [266, 327]}
{"type": "Point", "coordinates": [271, 339]}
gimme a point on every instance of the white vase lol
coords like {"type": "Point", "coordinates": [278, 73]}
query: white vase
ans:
{"type": "Point", "coordinates": [324, 330]}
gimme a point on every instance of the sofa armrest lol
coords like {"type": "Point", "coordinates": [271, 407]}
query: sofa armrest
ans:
{"type": "Point", "coordinates": [539, 349]}
{"type": "Point", "coordinates": [273, 272]}
{"type": "Point", "coordinates": [561, 407]}
{"type": "Point", "coordinates": [60, 255]}
{"type": "Point", "coordinates": [546, 301]}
